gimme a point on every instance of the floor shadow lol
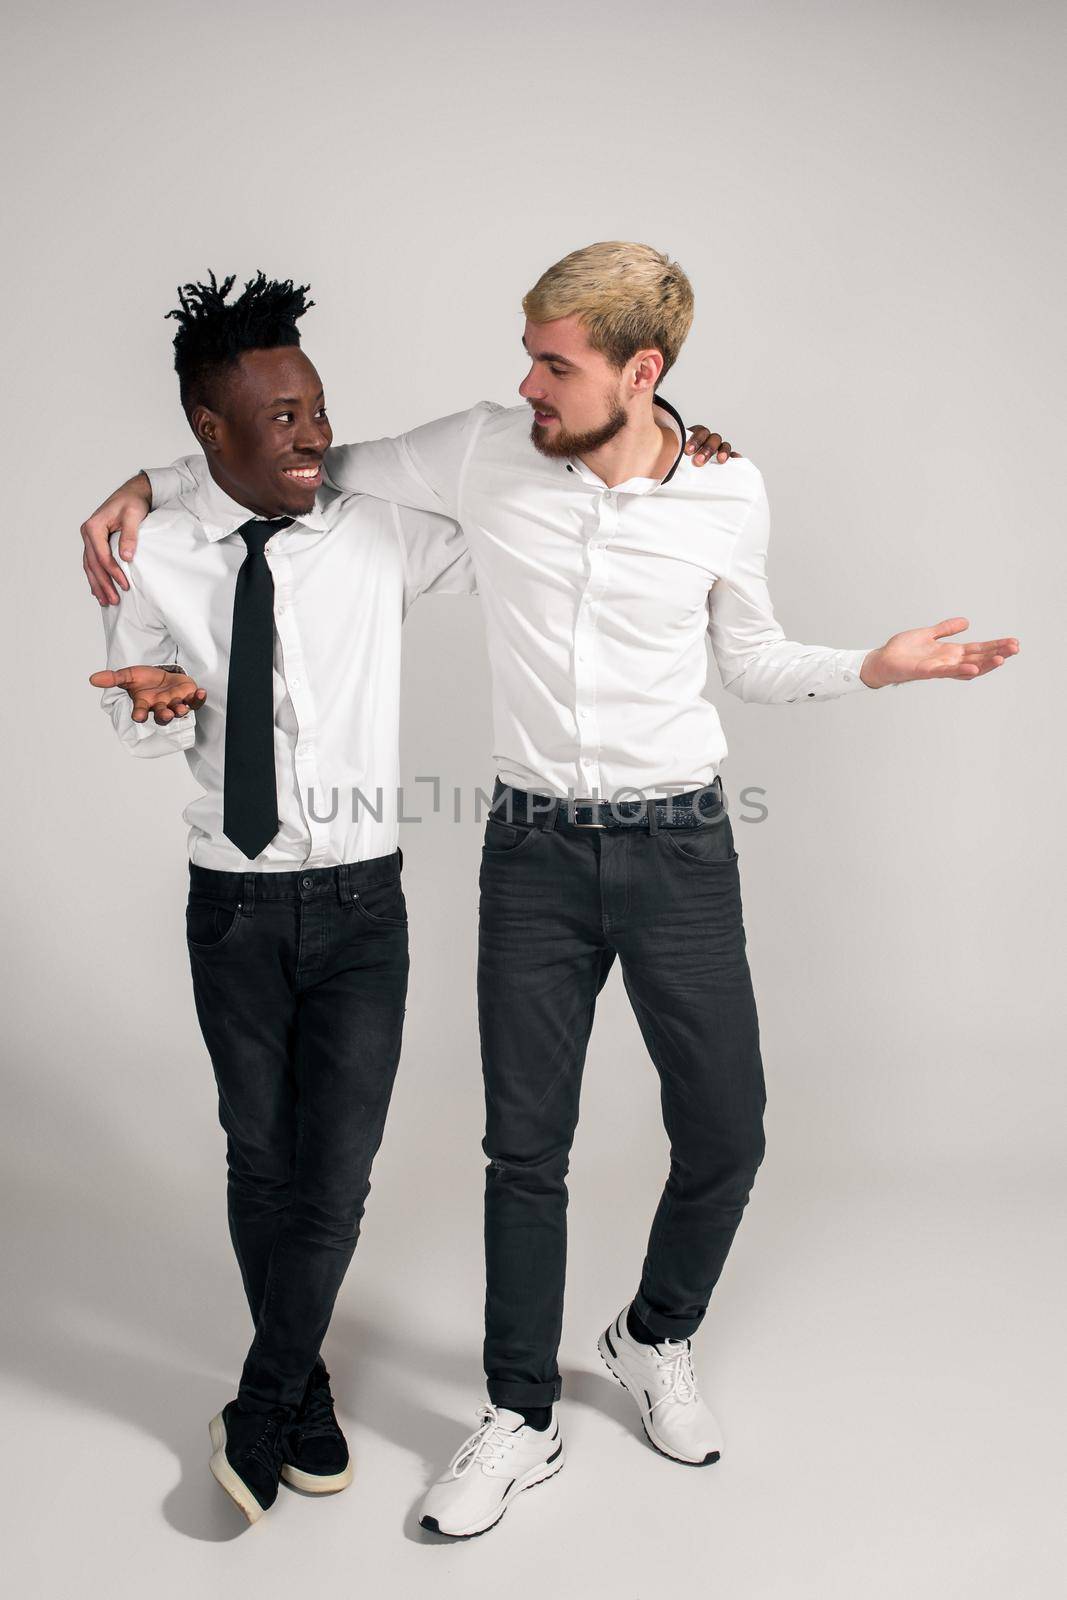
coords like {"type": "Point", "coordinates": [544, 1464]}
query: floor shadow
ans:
{"type": "Point", "coordinates": [599, 1391]}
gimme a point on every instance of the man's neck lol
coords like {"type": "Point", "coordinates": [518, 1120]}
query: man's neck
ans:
{"type": "Point", "coordinates": [238, 495]}
{"type": "Point", "coordinates": [646, 448]}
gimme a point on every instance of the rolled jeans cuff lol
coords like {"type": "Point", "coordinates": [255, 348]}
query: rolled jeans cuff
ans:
{"type": "Point", "coordinates": [524, 1396]}
{"type": "Point", "coordinates": [665, 1327]}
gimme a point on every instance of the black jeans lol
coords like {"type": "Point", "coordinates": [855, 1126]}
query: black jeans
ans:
{"type": "Point", "coordinates": [558, 904]}
{"type": "Point", "coordinates": [300, 980]}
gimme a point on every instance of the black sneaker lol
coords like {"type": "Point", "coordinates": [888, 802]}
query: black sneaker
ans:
{"type": "Point", "coordinates": [247, 1455]}
{"type": "Point", "coordinates": [316, 1455]}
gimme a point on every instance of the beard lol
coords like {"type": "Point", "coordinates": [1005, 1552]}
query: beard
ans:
{"type": "Point", "coordinates": [563, 443]}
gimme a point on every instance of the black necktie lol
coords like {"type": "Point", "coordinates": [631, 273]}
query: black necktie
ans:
{"type": "Point", "coordinates": [249, 790]}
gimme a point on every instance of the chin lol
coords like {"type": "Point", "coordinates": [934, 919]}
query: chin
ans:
{"type": "Point", "coordinates": [550, 442]}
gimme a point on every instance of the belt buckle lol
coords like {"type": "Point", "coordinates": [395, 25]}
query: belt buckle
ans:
{"type": "Point", "coordinates": [574, 815]}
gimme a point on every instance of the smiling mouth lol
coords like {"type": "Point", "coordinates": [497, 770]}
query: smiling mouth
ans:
{"type": "Point", "coordinates": [310, 477]}
{"type": "Point", "coordinates": [541, 417]}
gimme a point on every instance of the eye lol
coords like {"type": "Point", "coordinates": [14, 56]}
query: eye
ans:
{"type": "Point", "coordinates": [284, 416]}
{"type": "Point", "coordinates": [557, 372]}
{"type": "Point", "coordinates": [322, 413]}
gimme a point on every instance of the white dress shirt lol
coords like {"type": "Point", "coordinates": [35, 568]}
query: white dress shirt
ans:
{"type": "Point", "coordinates": [344, 577]}
{"type": "Point", "coordinates": [598, 600]}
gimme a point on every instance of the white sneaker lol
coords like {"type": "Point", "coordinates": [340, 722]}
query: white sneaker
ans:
{"type": "Point", "coordinates": [503, 1456]}
{"type": "Point", "coordinates": [660, 1378]}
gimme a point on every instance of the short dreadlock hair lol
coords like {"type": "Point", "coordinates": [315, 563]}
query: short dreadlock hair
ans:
{"type": "Point", "coordinates": [212, 335]}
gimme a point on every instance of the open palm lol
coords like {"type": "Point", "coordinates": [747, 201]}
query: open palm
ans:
{"type": "Point", "coordinates": [154, 692]}
{"type": "Point", "coordinates": [927, 653]}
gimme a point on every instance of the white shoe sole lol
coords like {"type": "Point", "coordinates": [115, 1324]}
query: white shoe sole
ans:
{"type": "Point", "coordinates": [224, 1474]}
{"type": "Point", "coordinates": [538, 1474]}
{"type": "Point", "coordinates": [317, 1482]}
{"type": "Point", "coordinates": [618, 1372]}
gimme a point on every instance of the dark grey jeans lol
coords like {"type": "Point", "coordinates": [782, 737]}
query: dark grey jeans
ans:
{"type": "Point", "coordinates": [300, 981]}
{"type": "Point", "coordinates": [558, 905]}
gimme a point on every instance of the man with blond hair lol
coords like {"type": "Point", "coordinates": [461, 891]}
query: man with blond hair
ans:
{"type": "Point", "coordinates": [604, 561]}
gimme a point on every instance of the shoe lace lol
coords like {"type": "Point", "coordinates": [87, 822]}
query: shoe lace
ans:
{"type": "Point", "coordinates": [267, 1449]}
{"type": "Point", "coordinates": [486, 1444]}
{"type": "Point", "coordinates": [317, 1414]}
{"type": "Point", "coordinates": [676, 1368]}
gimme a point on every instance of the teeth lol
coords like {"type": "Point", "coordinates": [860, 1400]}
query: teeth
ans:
{"type": "Point", "coordinates": [301, 472]}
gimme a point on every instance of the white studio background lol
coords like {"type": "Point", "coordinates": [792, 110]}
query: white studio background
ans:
{"type": "Point", "coordinates": [866, 201]}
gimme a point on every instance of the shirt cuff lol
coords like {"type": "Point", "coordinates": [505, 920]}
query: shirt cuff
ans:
{"type": "Point", "coordinates": [181, 731]}
{"type": "Point", "coordinates": [846, 675]}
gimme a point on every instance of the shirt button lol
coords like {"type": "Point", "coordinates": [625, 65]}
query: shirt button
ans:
{"type": "Point", "coordinates": [296, 683]}
{"type": "Point", "coordinates": [281, 611]}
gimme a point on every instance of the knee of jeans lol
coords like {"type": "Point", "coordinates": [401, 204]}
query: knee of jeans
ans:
{"type": "Point", "coordinates": [544, 1169]}
{"type": "Point", "coordinates": [333, 1217]}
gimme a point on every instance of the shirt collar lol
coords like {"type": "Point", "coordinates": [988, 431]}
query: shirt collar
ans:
{"type": "Point", "coordinates": [220, 515]}
{"type": "Point", "coordinates": [643, 485]}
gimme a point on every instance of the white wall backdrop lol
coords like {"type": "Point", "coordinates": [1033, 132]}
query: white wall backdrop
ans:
{"type": "Point", "coordinates": [866, 199]}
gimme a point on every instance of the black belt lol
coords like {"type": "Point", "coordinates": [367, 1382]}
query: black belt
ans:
{"type": "Point", "coordinates": [698, 808]}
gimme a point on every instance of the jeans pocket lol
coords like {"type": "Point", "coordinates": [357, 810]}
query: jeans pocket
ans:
{"type": "Point", "coordinates": [383, 903]}
{"type": "Point", "coordinates": [209, 924]}
{"type": "Point", "coordinates": [709, 845]}
{"type": "Point", "coordinates": [504, 838]}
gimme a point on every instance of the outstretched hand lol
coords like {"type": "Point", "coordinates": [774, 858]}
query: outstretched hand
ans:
{"type": "Point", "coordinates": [925, 653]}
{"type": "Point", "coordinates": [154, 692]}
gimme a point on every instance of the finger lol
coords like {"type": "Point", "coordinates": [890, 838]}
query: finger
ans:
{"type": "Point", "coordinates": [101, 589]}
{"type": "Point", "coordinates": [1006, 647]}
{"type": "Point", "coordinates": [106, 575]}
{"type": "Point", "coordinates": [142, 706]}
{"type": "Point", "coordinates": [711, 444]}
{"type": "Point", "coordinates": [102, 680]}
{"type": "Point", "coordinates": [96, 534]}
{"type": "Point", "coordinates": [129, 523]}
{"type": "Point", "coordinates": [697, 436]}
{"type": "Point", "coordinates": [724, 452]}
{"type": "Point", "coordinates": [949, 625]}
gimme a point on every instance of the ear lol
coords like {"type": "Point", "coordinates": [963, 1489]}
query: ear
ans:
{"type": "Point", "coordinates": [206, 426]}
{"type": "Point", "coordinates": [646, 367]}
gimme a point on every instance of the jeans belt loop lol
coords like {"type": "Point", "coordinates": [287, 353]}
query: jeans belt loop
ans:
{"type": "Point", "coordinates": [543, 817]}
{"type": "Point", "coordinates": [248, 894]}
{"type": "Point", "coordinates": [549, 824]}
{"type": "Point", "coordinates": [344, 886]}
{"type": "Point", "coordinates": [653, 819]}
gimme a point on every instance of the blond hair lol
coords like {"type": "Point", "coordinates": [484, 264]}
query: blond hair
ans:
{"type": "Point", "coordinates": [629, 297]}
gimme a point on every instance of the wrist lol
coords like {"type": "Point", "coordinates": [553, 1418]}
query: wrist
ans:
{"type": "Point", "coordinates": [142, 485]}
{"type": "Point", "coordinates": [871, 672]}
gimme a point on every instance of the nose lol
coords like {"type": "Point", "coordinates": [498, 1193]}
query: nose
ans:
{"type": "Point", "coordinates": [312, 438]}
{"type": "Point", "coordinates": [529, 388]}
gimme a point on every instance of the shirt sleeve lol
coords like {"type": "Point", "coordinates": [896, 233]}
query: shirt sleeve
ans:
{"type": "Point", "coordinates": [436, 558]}
{"type": "Point", "coordinates": [168, 483]}
{"type": "Point", "coordinates": [138, 637]}
{"type": "Point", "coordinates": [756, 660]}
{"type": "Point", "coordinates": [423, 469]}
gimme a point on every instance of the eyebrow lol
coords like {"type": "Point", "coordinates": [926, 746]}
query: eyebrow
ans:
{"type": "Point", "coordinates": [292, 399]}
{"type": "Point", "coordinates": [548, 355]}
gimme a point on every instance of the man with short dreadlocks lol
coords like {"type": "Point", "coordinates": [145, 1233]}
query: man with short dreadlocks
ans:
{"type": "Point", "coordinates": [282, 599]}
